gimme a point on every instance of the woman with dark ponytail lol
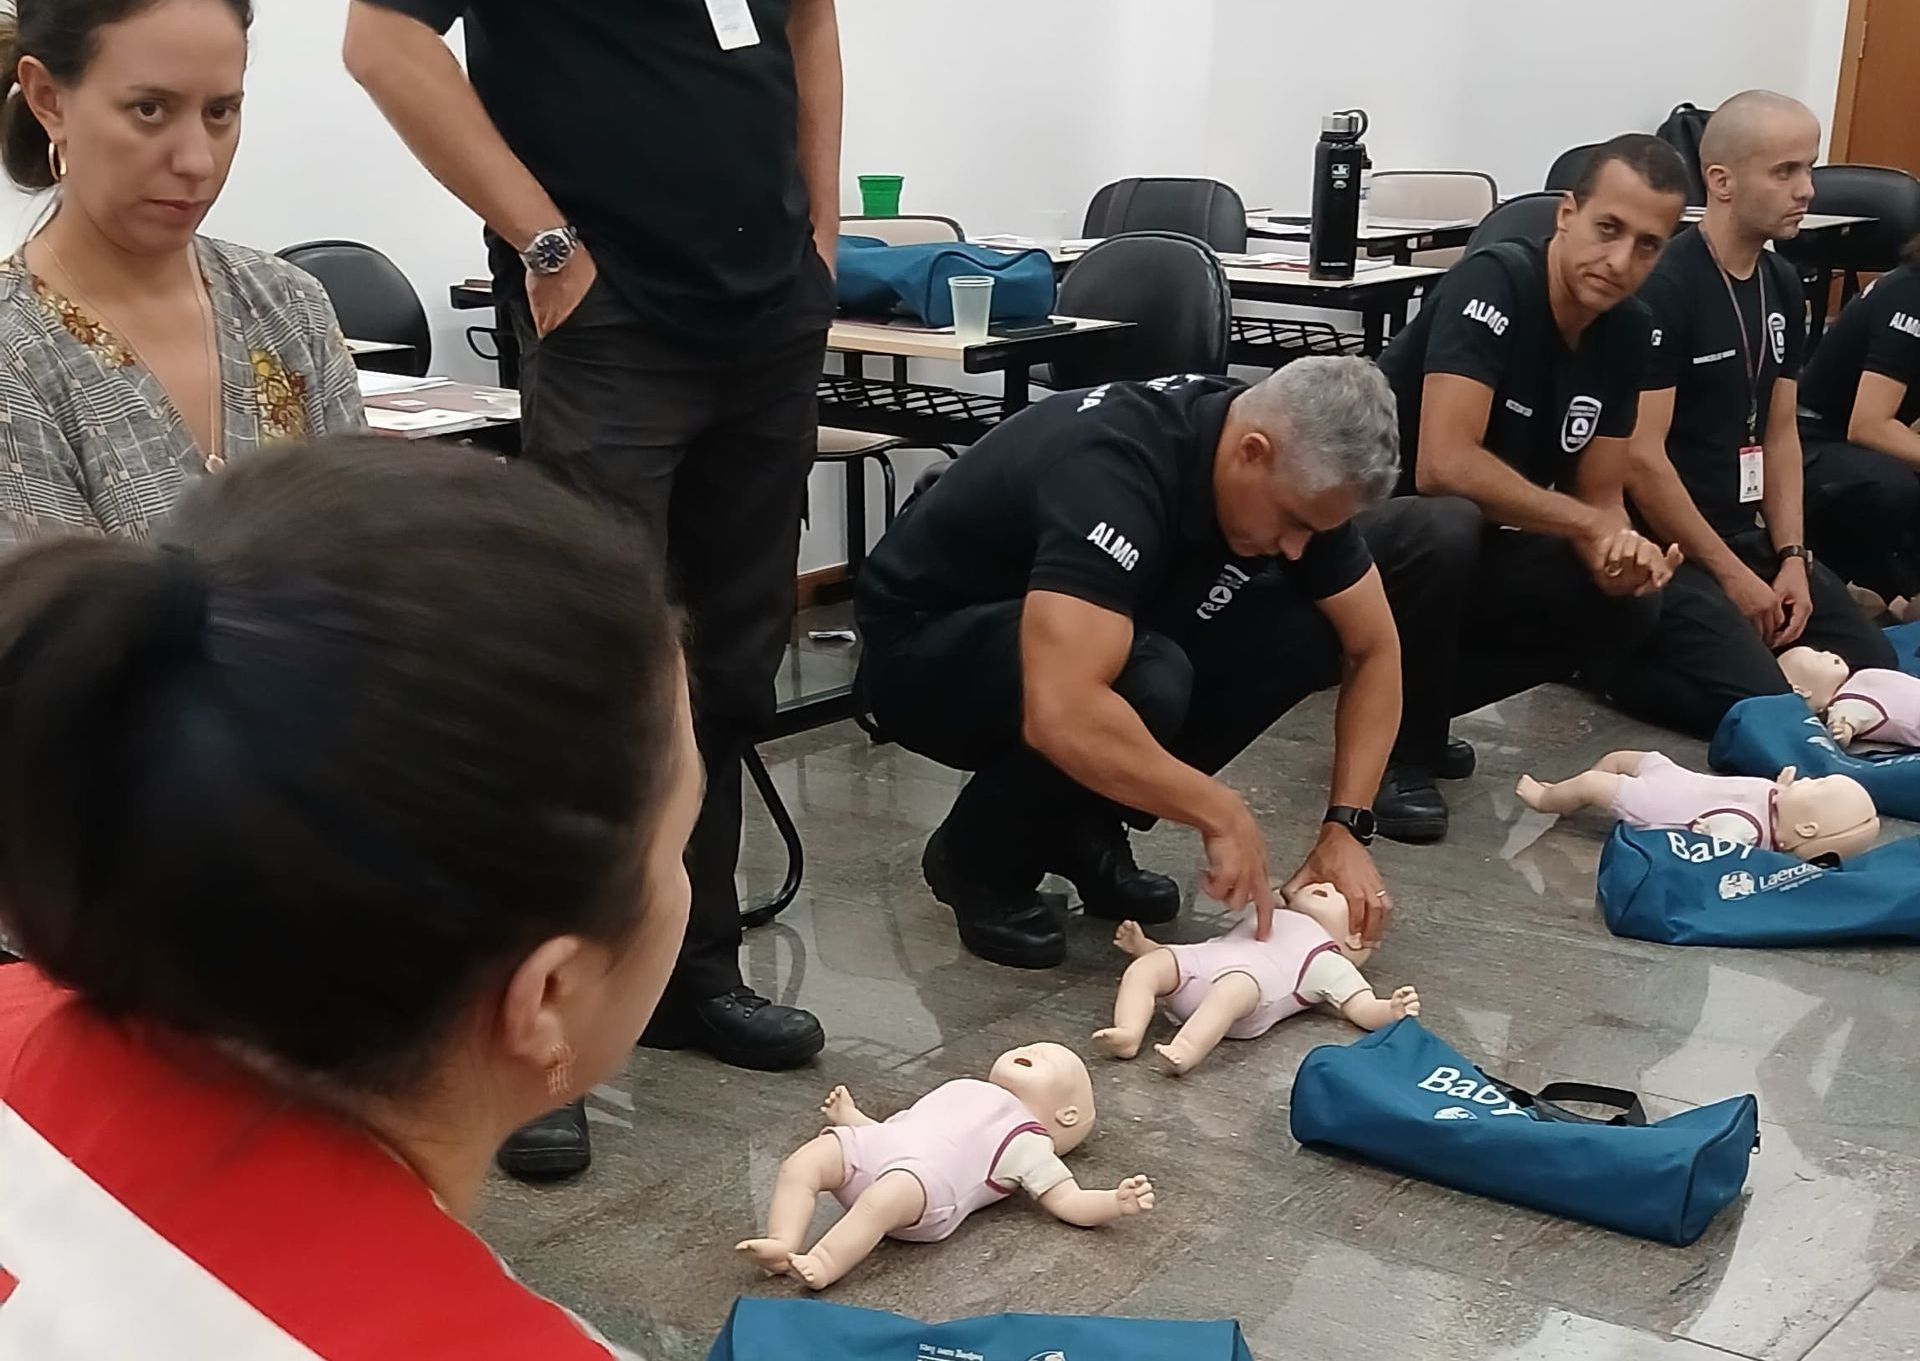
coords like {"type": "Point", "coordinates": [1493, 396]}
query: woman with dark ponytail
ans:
{"type": "Point", "coordinates": [342, 833]}
{"type": "Point", "coordinates": [135, 354]}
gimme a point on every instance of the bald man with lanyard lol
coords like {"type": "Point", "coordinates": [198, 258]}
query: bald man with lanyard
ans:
{"type": "Point", "coordinates": [1715, 461]}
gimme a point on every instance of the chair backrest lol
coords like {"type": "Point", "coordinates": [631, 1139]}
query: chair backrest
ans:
{"type": "Point", "coordinates": [916, 230]}
{"type": "Point", "coordinates": [371, 297]}
{"type": "Point", "coordinates": [1565, 171]}
{"type": "Point", "coordinates": [1205, 209]}
{"type": "Point", "coordinates": [1891, 197]}
{"type": "Point", "coordinates": [1434, 195]}
{"type": "Point", "coordinates": [1682, 131]}
{"type": "Point", "coordinates": [1174, 290]}
{"type": "Point", "coordinates": [1528, 217]}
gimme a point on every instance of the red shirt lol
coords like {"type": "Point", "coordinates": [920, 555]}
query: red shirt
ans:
{"type": "Point", "coordinates": [166, 1205]}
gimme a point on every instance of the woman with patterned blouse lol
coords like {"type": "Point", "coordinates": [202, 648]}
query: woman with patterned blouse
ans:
{"type": "Point", "coordinates": [135, 354]}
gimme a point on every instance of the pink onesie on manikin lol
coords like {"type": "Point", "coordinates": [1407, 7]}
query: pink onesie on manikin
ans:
{"type": "Point", "coordinates": [1666, 795]}
{"type": "Point", "coordinates": [1894, 697]}
{"type": "Point", "coordinates": [949, 1140]}
{"type": "Point", "coordinates": [1276, 966]}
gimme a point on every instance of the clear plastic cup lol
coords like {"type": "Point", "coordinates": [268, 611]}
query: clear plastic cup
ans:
{"type": "Point", "coordinates": [972, 307]}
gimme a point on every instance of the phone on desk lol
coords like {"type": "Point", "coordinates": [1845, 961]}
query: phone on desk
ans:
{"type": "Point", "coordinates": [1027, 330]}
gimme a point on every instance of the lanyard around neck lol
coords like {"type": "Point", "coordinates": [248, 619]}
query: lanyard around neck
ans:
{"type": "Point", "coordinates": [1752, 361]}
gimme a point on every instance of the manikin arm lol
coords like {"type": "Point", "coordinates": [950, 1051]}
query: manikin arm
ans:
{"type": "Point", "coordinates": [1072, 1204]}
{"type": "Point", "coordinates": [1369, 1012]}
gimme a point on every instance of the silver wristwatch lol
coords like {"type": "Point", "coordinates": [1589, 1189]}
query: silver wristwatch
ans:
{"type": "Point", "coordinates": [550, 251]}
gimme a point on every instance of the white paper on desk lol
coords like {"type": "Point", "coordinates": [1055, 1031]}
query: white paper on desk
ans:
{"type": "Point", "coordinates": [1262, 259]}
{"type": "Point", "coordinates": [1417, 224]}
{"type": "Point", "coordinates": [407, 422]}
{"type": "Point", "coordinates": [386, 384]}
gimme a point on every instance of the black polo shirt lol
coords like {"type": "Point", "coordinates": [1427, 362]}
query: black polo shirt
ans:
{"type": "Point", "coordinates": [677, 160]}
{"type": "Point", "coordinates": [1105, 494]}
{"type": "Point", "coordinates": [1706, 351]}
{"type": "Point", "coordinates": [1490, 320]}
{"type": "Point", "coordinates": [1878, 332]}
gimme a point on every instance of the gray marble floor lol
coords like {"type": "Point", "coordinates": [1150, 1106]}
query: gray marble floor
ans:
{"type": "Point", "coordinates": [1497, 928]}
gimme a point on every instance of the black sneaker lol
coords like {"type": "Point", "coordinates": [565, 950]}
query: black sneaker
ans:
{"type": "Point", "coordinates": [1457, 762]}
{"type": "Point", "coordinates": [1409, 807]}
{"type": "Point", "coordinates": [548, 1149]}
{"type": "Point", "coordinates": [740, 1028]}
{"type": "Point", "coordinates": [1018, 928]}
{"type": "Point", "coordinates": [1098, 858]}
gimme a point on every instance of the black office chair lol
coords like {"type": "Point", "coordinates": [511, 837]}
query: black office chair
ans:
{"type": "Point", "coordinates": [1174, 290]}
{"type": "Point", "coordinates": [1206, 209]}
{"type": "Point", "coordinates": [1567, 167]}
{"type": "Point", "coordinates": [1528, 217]}
{"type": "Point", "coordinates": [1890, 197]}
{"type": "Point", "coordinates": [371, 297]}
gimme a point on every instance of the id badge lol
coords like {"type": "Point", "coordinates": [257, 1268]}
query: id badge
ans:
{"type": "Point", "coordinates": [733, 24]}
{"type": "Point", "coordinates": [1753, 473]}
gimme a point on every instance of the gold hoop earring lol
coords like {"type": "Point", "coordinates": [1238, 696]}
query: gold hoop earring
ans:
{"type": "Point", "coordinates": [560, 1069]}
{"type": "Point", "coordinates": [56, 162]}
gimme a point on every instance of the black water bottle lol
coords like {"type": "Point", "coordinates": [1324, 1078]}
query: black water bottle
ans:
{"type": "Point", "coordinates": [1338, 158]}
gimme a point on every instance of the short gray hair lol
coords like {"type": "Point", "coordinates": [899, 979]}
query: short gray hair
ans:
{"type": "Point", "coordinates": [1334, 421]}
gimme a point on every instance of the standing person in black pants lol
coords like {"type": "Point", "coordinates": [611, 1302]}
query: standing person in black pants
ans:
{"type": "Point", "coordinates": [660, 183]}
{"type": "Point", "coordinates": [1105, 601]}
{"type": "Point", "coordinates": [1515, 564]}
{"type": "Point", "coordinates": [1859, 399]}
{"type": "Point", "coordinates": [1716, 461]}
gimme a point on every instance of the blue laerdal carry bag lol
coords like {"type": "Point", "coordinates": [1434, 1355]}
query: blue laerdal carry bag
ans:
{"type": "Point", "coordinates": [813, 1330]}
{"type": "Point", "coordinates": [1683, 888]}
{"type": "Point", "coordinates": [1766, 735]}
{"type": "Point", "coordinates": [1906, 647]}
{"type": "Point", "coordinates": [1405, 1099]}
{"type": "Point", "coordinates": [874, 279]}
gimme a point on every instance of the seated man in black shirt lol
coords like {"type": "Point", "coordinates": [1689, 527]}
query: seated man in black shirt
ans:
{"type": "Point", "coordinates": [1859, 399]}
{"type": "Point", "coordinates": [1716, 461]}
{"type": "Point", "coordinates": [1515, 564]}
{"type": "Point", "coordinates": [1106, 600]}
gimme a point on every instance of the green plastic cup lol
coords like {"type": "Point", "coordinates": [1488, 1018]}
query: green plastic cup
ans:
{"type": "Point", "coordinates": [880, 195]}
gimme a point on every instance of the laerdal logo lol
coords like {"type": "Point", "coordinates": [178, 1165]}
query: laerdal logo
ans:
{"type": "Point", "coordinates": [1739, 884]}
{"type": "Point", "coordinates": [1452, 1082]}
{"type": "Point", "coordinates": [1777, 328]}
{"type": "Point", "coordinates": [1115, 545]}
{"type": "Point", "coordinates": [1454, 1113]}
{"type": "Point", "coordinates": [1583, 419]}
{"type": "Point", "coordinates": [1903, 322]}
{"type": "Point", "coordinates": [1487, 315]}
{"type": "Point", "coordinates": [1221, 593]}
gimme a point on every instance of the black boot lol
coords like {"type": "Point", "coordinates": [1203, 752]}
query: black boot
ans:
{"type": "Point", "coordinates": [740, 1028]}
{"type": "Point", "coordinates": [1097, 857]}
{"type": "Point", "coordinates": [1409, 807]}
{"type": "Point", "coordinates": [1019, 928]}
{"type": "Point", "coordinates": [1457, 761]}
{"type": "Point", "coordinates": [548, 1149]}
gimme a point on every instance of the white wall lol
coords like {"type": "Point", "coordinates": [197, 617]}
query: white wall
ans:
{"type": "Point", "coordinates": [997, 111]}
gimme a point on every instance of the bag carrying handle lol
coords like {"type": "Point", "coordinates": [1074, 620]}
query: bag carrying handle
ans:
{"type": "Point", "coordinates": [1546, 1102]}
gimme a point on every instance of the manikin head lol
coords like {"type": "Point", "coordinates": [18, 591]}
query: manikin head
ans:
{"type": "Point", "coordinates": [1052, 1082]}
{"type": "Point", "coordinates": [1616, 220]}
{"type": "Point", "coordinates": [1757, 157]}
{"type": "Point", "coordinates": [1327, 905]}
{"type": "Point", "coordinates": [1302, 452]}
{"type": "Point", "coordinates": [1832, 815]}
{"type": "Point", "coordinates": [1815, 676]}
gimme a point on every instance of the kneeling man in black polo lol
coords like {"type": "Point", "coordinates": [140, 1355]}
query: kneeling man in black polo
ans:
{"type": "Point", "coordinates": [1105, 601]}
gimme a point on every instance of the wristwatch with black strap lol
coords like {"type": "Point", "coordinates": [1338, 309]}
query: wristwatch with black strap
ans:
{"type": "Point", "coordinates": [1358, 821]}
{"type": "Point", "coordinates": [1795, 550]}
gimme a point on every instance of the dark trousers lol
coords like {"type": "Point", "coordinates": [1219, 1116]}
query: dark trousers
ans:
{"type": "Point", "coordinates": [949, 686]}
{"type": "Point", "coordinates": [1705, 657]}
{"type": "Point", "coordinates": [1863, 515]}
{"type": "Point", "coordinates": [711, 453]}
{"type": "Point", "coordinates": [1485, 613]}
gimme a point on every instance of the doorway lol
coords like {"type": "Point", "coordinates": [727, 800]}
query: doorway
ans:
{"type": "Point", "coordinates": [1874, 120]}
